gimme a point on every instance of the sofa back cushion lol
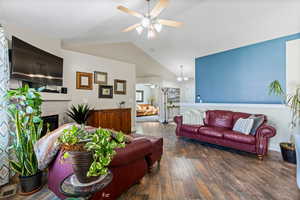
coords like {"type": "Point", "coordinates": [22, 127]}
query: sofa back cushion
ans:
{"type": "Point", "coordinates": [219, 118]}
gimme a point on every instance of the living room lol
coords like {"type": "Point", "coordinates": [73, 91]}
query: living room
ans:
{"type": "Point", "coordinates": [159, 99]}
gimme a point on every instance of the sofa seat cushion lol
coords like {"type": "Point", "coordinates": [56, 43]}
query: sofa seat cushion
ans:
{"type": "Point", "coordinates": [239, 137]}
{"type": "Point", "coordinates": [190, 128]}
{"type": "Point", "coordinates": [212, 131]}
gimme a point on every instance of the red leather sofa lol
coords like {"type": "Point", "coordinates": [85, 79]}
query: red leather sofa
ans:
{"type": "Point", "coordinates": [129, 165]}
{"type": "Point", "coordinates": [217, 129]}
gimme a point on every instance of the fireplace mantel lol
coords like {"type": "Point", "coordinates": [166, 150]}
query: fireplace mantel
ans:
{"type": "Point", "coordinates": [46, 96]}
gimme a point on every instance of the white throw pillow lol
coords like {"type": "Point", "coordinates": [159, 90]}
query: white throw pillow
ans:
{"type": "Point", "coordinates": [243, 125]}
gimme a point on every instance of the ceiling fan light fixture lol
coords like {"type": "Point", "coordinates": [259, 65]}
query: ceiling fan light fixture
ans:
{"type": "Point", "coordinates": [151, 33]}
{"type": "Point", "coordinates": [158, 27]}
{"type": "Point", "coordinates": [139, 29]}
{"type": "Point", "coordinates": [146, 22]}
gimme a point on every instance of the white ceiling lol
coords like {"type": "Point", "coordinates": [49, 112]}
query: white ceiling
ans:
{"type": "Point", "coordinates": [209, 25]}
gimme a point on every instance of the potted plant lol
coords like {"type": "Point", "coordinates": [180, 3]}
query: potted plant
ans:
{"type": "Point", "coordinates": [288, 150]}
{"type": "Point", "coordinates": [25, 110]}
{"type": "Point", "coordinates": [90, 153]}
{"type": "Point", "coordinates": [79, 113]}
{"type": "Point", "coordinates": [122, 104]}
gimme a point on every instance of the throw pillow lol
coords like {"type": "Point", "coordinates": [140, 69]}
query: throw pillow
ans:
{"type": "Point", "coordinates": [258, 120]}
{"type": "Point", "coordinates": [243, 125]}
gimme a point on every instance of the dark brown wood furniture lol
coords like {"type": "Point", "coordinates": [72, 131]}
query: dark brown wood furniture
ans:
{"type": "Point", "coordinates": [118, 119]}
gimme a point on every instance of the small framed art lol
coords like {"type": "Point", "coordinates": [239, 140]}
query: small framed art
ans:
{"type": "Point", "coordinates": [84, 80]}
{"type": "Point", "coordinates": [106, 91]}
{"type": "Point", "coordinates": [119, 86]}
{"type": "Point", "coordinates": [100, 78]}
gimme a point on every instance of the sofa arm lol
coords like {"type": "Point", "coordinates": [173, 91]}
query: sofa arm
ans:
{"type": "Point", "coordinates": [266, 131]}
{"type": "Point", "coordinates": [137, 149]}
{"type": "Point", "coordinates": [262, 138]}
{"type": "Point", "coordinates": [178, 120]}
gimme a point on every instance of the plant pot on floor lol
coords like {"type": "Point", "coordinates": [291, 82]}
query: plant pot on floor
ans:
{"type": "Point", "coordinates": [31, 184]}
{"type": "Point", "coordinates": [81, 162]}
{"type": "Point", "coordinates": [288, 152]}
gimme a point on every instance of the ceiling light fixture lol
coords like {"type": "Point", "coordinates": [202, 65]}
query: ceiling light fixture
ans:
{"type": "Point", "coordinates": [181, 77]}
{"type": "Point", "coordinates": [150, 20]}
{"type": "Point", "coordinates": [139, 30]}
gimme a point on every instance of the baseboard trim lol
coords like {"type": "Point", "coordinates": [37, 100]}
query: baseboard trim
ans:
{"type": "Point", "coordinates": [274, 148]}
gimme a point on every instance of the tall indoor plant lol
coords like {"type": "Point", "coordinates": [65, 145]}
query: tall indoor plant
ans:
{"type": "Point", "coordinates": [293, 102]}
{"type": "Point", "coordinates": [25, 111]}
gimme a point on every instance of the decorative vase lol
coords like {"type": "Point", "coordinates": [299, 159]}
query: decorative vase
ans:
{"type": "Point", "coordinates": [81, 162]}
{"type": "Point", "coordinates": [31, 184]}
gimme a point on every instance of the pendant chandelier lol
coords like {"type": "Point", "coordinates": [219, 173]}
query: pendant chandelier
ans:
{"type": "Point", "coordinates": [182, 77]}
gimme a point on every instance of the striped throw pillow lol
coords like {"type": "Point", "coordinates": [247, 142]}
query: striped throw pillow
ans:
{"type": "Point", "coordinates": [243, 125]}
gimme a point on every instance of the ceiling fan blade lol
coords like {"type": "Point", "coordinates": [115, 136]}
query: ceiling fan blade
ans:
{"type": "Point", "coordinates": [170, 23]}
{"type": "Point", "coordinates": [130, 28]}
{"type": "Point", "coordinates": [130, 12]}
{"type": "Point", "coordinates": [160, 6]}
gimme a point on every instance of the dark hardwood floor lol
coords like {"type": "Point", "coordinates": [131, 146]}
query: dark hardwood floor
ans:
{"type": "Point", "coordinates": [193, 171]}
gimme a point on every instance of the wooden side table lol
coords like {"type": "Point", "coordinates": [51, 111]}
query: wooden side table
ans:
{"type": "Point", "coordinates": [84, 191]}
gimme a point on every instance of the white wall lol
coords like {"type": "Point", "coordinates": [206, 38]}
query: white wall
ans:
{"type": "Point", "coordinates": [79, 62]}
{"type": "Point", "coordinates": [187, 91]}
{"type": "Point", "coordinates": [293, 65]}
{"type": "Point", "coordinates": [74, 62]}
{"type": "Point", "coordinates": [51, 45]}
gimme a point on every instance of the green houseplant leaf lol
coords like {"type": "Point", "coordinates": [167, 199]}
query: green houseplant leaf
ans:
{"type": "Point", "coordinates": [24, 110]}
{"type": "Point", "coordinates": [79, 113]}
{"type": "Point", "coordinates": [102, 143]}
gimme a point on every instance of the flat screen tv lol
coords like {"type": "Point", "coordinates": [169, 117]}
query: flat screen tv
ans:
{"type": "Point", "coordinates": [33, 65]}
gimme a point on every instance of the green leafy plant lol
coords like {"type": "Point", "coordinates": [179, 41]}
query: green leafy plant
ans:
{"type": "Point", "coordinates": [79, 113]}
{"type": "Point", "coordinates": [102, 143]}
{"type": "Point", "coordinates": [292, 101]}
{"type": "Point", "coordinates": [25, 110]}
{"type": "Point", "coordinates": [276, 89]}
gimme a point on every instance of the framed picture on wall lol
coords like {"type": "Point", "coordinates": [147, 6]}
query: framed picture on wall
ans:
{"type": "Point", "coordinates": [119, 86]}
{"type": "Point", "coordinates": [84, 80]}
{"type": "Point", "coordinates": [106, 91]}
{"type": "Point", "coordinates": [139, 96]}
{"type": "Point", "coordinates": [100, 78]}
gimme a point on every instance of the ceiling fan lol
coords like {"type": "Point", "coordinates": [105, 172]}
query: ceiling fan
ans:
{"type": "Point", "coordinates": [149, 20]}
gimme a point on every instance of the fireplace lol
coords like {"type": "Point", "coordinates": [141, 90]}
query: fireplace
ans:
{"type": "Point", "coordinates": [52, 120]}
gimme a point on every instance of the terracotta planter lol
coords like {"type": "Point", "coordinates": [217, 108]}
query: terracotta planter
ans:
{"type": "Point", "coordinates": [81, 162]}
{"type": "Point", "coordinates": [31, 184]}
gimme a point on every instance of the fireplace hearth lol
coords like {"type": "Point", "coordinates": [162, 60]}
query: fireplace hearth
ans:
{"type": "Point", "coordinates": [52, 120]}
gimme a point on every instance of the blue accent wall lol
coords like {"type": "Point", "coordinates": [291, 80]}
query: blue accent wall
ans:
{"type": "Point", "coordinates": [242, 75]}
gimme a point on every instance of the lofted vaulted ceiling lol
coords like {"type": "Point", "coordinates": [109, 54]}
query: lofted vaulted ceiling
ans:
{"type": "Point", "coordinates": [210, 26]}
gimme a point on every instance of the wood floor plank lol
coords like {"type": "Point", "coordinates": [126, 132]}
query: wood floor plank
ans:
{"type": "Point", "coordinates": [196, 171]}
{"type": "Point", "coordinates": [191, 170]}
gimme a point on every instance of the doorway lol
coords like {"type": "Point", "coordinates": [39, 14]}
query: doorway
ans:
{"type": "Point", "coordinates": [147, 102]}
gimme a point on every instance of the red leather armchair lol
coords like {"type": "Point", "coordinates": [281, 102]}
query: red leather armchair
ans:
{"type": "Point", "coordinates": [217, 129]}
